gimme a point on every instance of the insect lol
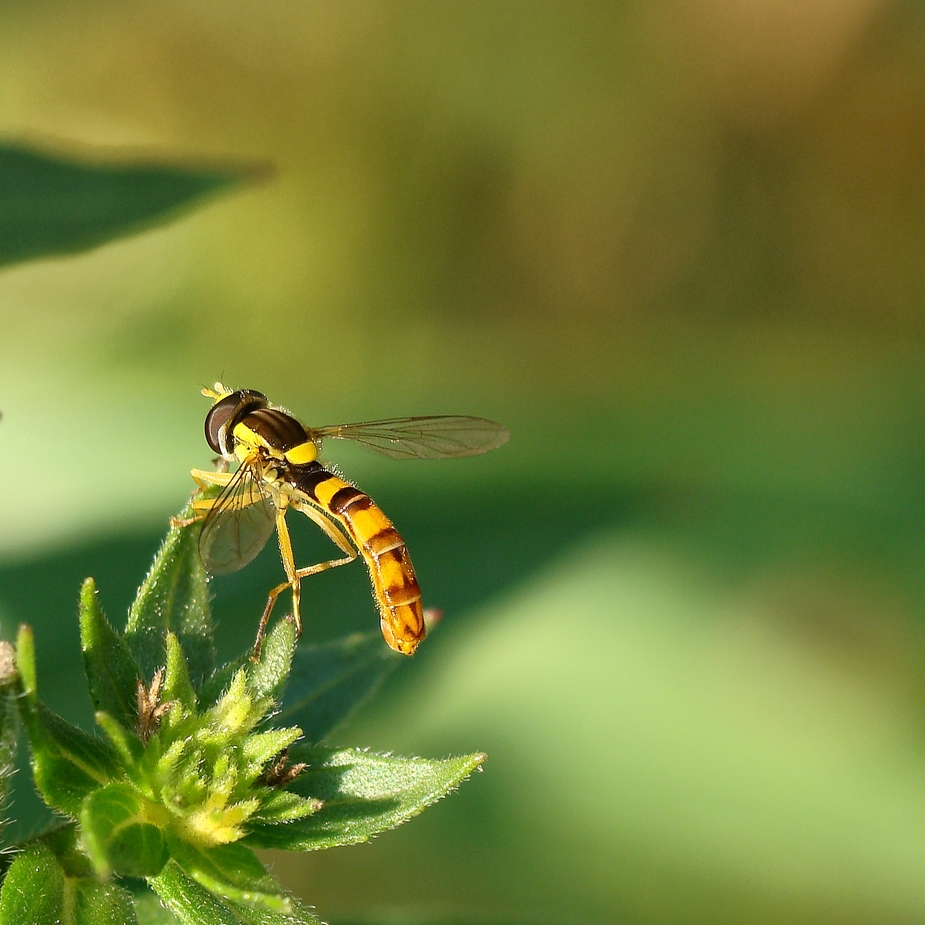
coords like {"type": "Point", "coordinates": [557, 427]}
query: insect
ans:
{"type": "Point", "coordinates": [278, 469]}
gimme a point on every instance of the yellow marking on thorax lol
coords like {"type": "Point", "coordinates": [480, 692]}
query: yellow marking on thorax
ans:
{"type": "Point", "coordinates": [244, 452]}
{"type": "Point", "coordinates": [303, 453]}
{"type": "Point", "coordinates": [243, 434]}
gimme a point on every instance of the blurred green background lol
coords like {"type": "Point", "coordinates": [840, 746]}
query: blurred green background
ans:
{"type": "Point", "coordinates": [679, 248]}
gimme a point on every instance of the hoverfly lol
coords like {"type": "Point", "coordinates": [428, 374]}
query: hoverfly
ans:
{"type": "Point", "coordinates": [278, 469]}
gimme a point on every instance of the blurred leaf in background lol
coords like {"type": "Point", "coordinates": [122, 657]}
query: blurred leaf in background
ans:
{"type": "Point", "coordinates": [52, 206]}
{"type": "Point", "coordinates": [678, 251]}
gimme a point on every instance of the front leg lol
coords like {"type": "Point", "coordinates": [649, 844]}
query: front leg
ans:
{"type": "Point", "coordinates": [204, 478]}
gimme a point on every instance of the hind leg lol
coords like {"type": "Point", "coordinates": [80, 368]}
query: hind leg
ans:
{"type": "Point", "coordinates": [295, 575]}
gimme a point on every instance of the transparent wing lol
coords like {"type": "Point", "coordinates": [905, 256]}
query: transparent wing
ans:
{"type": "Point", "coordinates": [443, 436]}
{"type": "Point", "coordinates": [238, 525]}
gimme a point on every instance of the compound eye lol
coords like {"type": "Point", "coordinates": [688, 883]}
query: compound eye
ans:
{"type": "Point", "coordinates": [217, 419]}
{"type": "Point", "coordinates": [226, 412]}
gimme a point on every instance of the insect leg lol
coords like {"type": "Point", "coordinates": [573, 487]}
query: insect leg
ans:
{"type": "Point", "coordinates": [292, 581]}
{"type": "Point", "coordinates": [203, 478]}
{"type": "Point", "coordinates": [294, 576]}
{"type": "Point", "coordinates": [333, 532]}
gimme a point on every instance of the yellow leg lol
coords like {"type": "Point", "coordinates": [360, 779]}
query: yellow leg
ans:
{"type": "Point", "coordinates": [203, 478]}
{"type": "Point", "coordinates": [292, 581]}
{"type": "Point", "coordinates": [294, 576]}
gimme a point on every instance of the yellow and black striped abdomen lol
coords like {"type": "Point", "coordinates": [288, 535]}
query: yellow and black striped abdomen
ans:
{"type": "Point", "coordinates": [396, 590]}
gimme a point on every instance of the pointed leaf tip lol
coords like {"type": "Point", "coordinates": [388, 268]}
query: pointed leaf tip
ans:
{"type": "Point", "coordinates": [173, 597]}
{"type": "Point", "coordinates": [25, 659]}
{"type": "Point", "coordinates": [54, 204]}
{"type": "Point", "coordinates": [361, 794]}
{"type": "Point", "coordinates": [111, 669]}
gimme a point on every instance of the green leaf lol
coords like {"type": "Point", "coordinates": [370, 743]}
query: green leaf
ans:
{"type": "Point", "coordinates": [194, 904]}
{"type": "Point", "coordinates": [362, 794]}
{"type": "Point", "coordinates": [111, 669]}
{"type": "Point", "coordinates": [124, 741]}
{"type": "Point", "coordinates": [177, 684]}
{"type": "Point", "coordinates": [62, 841]}
{"type": "Point", "coordinates": [262, 747]}
{"type": "Point", "coordinates": [38, 891]}
{"type": "Point", "coordinates": [233, 872]}
{"type": "Point", "coordinates": [265, 678]}
{"type": "Point", "coordinates": [67, 763]}
{"type": "Point", "coordinates": [283, 806]}
{"type": "Point", "coordinates": [33, 890]}
{"type": "Point", "coordinates": [173, 598]}
{"type": "Point", "coordinates": [117, 835]}
{"type": "Point", "coordinates": [52, 205]}
{"type": "Point", "coordinates": [148, 907]}
{"type": "Point", "coordinates": [329, 682]}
